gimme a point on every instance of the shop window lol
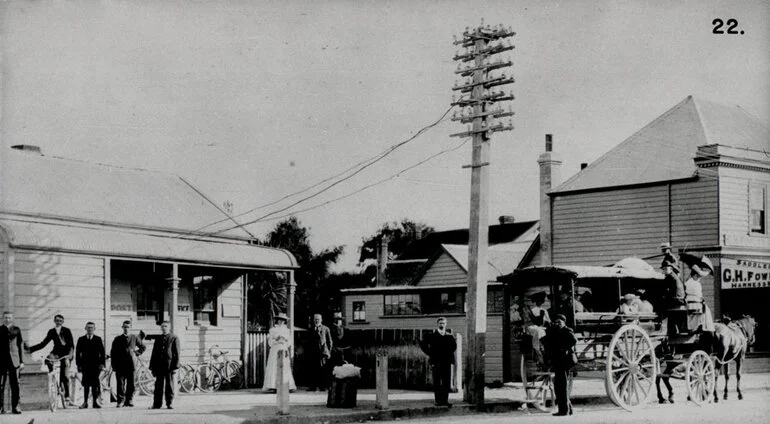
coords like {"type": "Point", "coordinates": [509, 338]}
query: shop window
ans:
{"type": "Point", "coordinates": [149, 298]}
{"type": "Point", "coordinates": [204, 301]}
{"type": "Point", "coordinates": [359, 311]}
{"type": "Point", "coordinates": [758, 209]}
{"type": "Point", "coordinates": [402, 304]}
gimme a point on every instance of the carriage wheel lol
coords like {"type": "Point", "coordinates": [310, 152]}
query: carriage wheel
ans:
{"type": "Point", "coordinates": [630, 372]}
{"type": "Point", "coordinates": [700, 378]}
{"type": "Point", "coordinates": [538, 389]}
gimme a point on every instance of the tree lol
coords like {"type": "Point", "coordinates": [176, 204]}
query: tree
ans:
{"type": "Point", "coordinates": [312, 295]}
{"type": "Point", "coordinates": [400, 235]}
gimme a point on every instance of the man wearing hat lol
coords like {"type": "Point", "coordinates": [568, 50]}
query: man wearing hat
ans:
{"type": "Point", "coordinates": [665, 249]}
{"type": "Point", "coordinates": [673, 285]}
{"type": "Point", "coordinates": [338, 336]}
{"type": "Point", "coordinates": [560, 342]}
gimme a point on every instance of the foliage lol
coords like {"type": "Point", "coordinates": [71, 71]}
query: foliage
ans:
{"type": "Point", "coordinates": [312, 294]}
{"type": "Point", "coordinates": [400, 235]}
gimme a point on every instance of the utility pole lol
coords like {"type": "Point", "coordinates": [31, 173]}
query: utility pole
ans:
{"type": "Point", "coordinates": [481, 115]}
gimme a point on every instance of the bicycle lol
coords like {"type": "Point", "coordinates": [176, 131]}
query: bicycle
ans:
{"type": "Point", "coordinates": [219, 370]}
{"type": "Point", "coordinates": [186, 378]}
{"type": "Point", "coordinates": [55, 386]}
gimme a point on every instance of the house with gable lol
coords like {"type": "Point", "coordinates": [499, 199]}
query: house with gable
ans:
{"type": "Point", "coordinates": [437, 287]}
{"type": "Point", "coordinates": [106, 244]}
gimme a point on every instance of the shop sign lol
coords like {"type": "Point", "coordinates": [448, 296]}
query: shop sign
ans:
{"type": "Point", "coordinates": [745, 274]}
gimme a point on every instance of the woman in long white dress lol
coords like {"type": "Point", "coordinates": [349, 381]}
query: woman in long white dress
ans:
{"type": "Point", "coordinates": [279, 338]}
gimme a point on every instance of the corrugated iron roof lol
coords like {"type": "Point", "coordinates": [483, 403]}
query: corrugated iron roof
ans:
{"type": "Point", "coordinates": [502, 259]}
{"type": "Point", "coordinates": [664, 149]}
{"type": "Point", "coordinates": [120, 242]}
{"type": "Point", "coordinates": [42, 186]}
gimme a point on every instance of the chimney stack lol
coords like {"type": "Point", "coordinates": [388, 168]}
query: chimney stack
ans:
{"type": "Point", "coordinates": [550, 176]}
{"type": "Point", "coordinates": [382, 260]}
{"type": "Point", "coordinates": [506, 219]}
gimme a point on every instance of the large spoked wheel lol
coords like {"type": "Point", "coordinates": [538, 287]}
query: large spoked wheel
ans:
{"type": "Point", "coordinates": [630, 371]}
{"type": "Point", "coordinates": [538, 388]}
{"type": "Point", "coordinates": [700, 377]}
{"type": "Point", "coordinates": [209, 378]}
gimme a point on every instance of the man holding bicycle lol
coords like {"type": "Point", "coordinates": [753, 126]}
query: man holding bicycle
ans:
{"type": "Point", "coordinates": [63, 351]}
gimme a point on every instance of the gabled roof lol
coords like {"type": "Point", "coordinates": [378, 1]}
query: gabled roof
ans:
{"type": "Point", "coordinates": [34, 185]}
{"type": "Point", "coordinates": [664, 149]}
{"type": "Point", "coordinates": [502, 259]}
{"type": "Point", "coordinates": [427, 247]}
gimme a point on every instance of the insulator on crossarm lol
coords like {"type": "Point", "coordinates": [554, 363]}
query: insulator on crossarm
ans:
{"type": "Point", "coordinates": [453, 99]}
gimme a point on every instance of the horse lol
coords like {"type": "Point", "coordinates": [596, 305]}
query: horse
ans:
{"type": "Point", "coordinates": [730, 343]}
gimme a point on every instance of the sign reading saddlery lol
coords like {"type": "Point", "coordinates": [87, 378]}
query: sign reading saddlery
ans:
{"type": "Point", "coordinates": [745, 274]}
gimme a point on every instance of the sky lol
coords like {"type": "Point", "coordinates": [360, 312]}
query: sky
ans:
{"type": "Point", "coordinates": [252, 101]}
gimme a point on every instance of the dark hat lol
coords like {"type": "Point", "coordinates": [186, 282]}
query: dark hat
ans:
{"type": "Point", "coordinates": [671, 264]}
{"type": "Point", "coordinates": [561, 317]}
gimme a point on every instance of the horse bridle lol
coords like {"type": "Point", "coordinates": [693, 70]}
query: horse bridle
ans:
{"type": "Point", "coordinates": [749, 339]}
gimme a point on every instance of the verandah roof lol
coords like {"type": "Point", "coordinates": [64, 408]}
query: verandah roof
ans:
{"type": "Point", "coordinates": [111, 241]}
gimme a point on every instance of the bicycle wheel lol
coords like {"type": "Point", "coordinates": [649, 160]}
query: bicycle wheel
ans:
{"type": "Point", "coordinates": [53, 392]}
{"type": "Point", "coordinates": [108, 383]}
{"type": "Point", "coordinates": [186, 378]}
{"type": "Point", "coordinates": [233, 374]}
{"type": "Point", "coordinates": [209, 378]}
{"type": "Point", "coordinates": [144, 381]}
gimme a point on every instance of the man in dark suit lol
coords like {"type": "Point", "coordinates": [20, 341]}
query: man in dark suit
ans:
{"type": "Point", "coordinates": [163, 364]}
{"type": "Point", "coordinates": [125, 348]}
{"type": "Point", "coordinates": [560, 341]}
{"type": "Point", "coordinates": [319, 353]}
{"type": "Point", "coordinates": [10, 360]}
{"type": "Point", "coordinates": [89, 355]}
{"type": "Point", "coordinates": [440, 346]}
{"type": "Point", "coordinates": [63, 351]}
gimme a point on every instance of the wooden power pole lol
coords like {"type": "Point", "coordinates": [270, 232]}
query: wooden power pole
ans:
{"type": "Point", "coordinates": [480, 113]}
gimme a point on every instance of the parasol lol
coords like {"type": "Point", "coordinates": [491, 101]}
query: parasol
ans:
{"type": "Point", "coordinates": [697, 259]}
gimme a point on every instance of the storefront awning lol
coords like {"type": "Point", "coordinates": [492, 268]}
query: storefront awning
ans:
{"type": "Point", "coordinates": [126, 243]}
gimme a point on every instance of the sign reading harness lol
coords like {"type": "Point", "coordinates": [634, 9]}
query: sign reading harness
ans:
{"type": "Point", "coordinates": [745, 274]}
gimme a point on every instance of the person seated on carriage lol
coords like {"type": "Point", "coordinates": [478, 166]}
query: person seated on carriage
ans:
{"type": "Point", "coordinates": [643, 305]}
{"type": "Point", "coordinates": [674, 288]}
{"type": "Point", "coordinates": [537, 318]}
{"type": "Point", "coordinates": [586, 301]}
{"type": "Point", "coordinates": [698, 313]}
{"type": "Point", "coordinates": [630, 305]}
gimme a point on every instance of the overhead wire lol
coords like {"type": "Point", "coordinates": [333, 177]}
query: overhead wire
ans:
{"type": "Point", "coordinates": [396, 175]}
{"type": "Point", "coordinates": [362, 165]}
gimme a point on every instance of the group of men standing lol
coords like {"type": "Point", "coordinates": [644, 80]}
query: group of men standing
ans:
{"type": "Point", "coordinates": [89, 355]}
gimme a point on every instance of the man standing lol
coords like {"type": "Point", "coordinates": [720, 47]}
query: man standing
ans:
{"type": "Point", "coordinates": [338, 340]}
{"type": "Point", "coordinates": [440, 346]}
{"type": "Point", "coordinates": [560, 341]}
{"type": "Point", "coordinates": [320, 352]}
{"type": "Point", "coordinates": [89, 354]}
{"type": "Point", "coordinates": [164, 362]}
{"type": "Point", "coordinates": [10, 361]}
{"type": "Point", "coordinates": [125, 348]}
{"type": "Point", "coordinates": [63, 351]}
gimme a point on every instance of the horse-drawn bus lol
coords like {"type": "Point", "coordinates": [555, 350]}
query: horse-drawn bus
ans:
{"type": "Point", "coordinates": [615, 343]}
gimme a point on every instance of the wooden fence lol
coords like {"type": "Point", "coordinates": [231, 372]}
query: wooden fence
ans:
{"type": "Point", "coordinates": [408, 366]}
{"type": "Point", "coordinates": [256, 358]}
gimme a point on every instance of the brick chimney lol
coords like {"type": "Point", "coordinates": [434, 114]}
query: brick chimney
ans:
{"type": "Point", "coordinates": [550, 176]}
{"type": "Point", "coordinates": [382, 260]}
{"type": "Point", "coordinates": [506, 219]}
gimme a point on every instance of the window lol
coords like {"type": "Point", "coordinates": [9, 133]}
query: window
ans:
{"type": "Point", "coordinates": [204, 301]}
{"type": "Point", "coordinates": [359, 311]}
{"type": "Point", "coordinates": [402, 304]}
{"type": "Point", "coordinates": [757, 209]}
{"type": "Point", "coordinates": [149, 298]}
{"type": "Point", "coordinates": [443, 302]}
{"type": "Point", "coordinates": [495, 301]}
